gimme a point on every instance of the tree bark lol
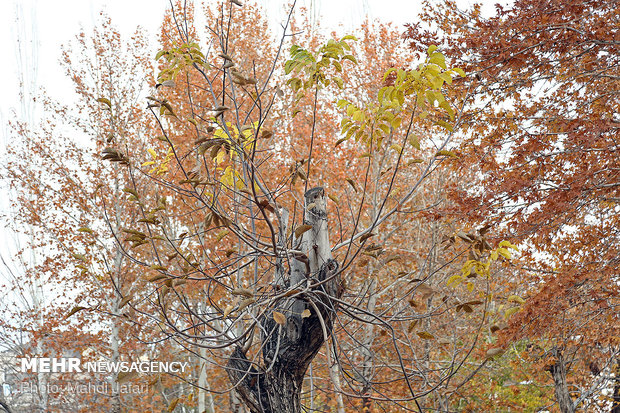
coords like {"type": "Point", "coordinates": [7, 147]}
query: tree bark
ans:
{"type": "Point", "coordinates": [275, 387]}
{"type": "Point", "coordinates": [558, 372]}
{"type": "Point", "coordinates": [616, 401]}
{"type": "Point", "coordinates": [5, 406]}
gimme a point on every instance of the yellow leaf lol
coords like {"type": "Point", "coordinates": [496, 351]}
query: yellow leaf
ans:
{"type": "Point", "coordinates": [228, 309]}
{"type": "Point", "coordinates": [446, 153]}
{"type": "Point", "coordinates": [454, 280]}
{"type": "Point", "coordinates": [504, 253]}
{"type": "Point", "coordinates": [173, 404]}
{"type": "Point", "coordinates": [516, 299]}
{"type": "Point", "coordinates": [397, 148]}
{"type": "Point", "coordinates": [415, 142]}
{"type": "Point", "coordinates": [425, 336]}
{"type": "Point", "coordinates": [305, 314]}
{"type": "Point", "coordinates": [79, 257]}
{"type": "Point", "coordinates": [221, 235]}
{"type": "Point", "coordinates": [509, 312]}
{"type": "Point", "coordinates": [352, 183]}
{"type": "Point", "coordinates": [507, 244]}
{"type": "Point", "coordinates": [105, 101]}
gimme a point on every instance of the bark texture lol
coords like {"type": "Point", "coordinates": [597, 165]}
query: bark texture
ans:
{"type": "Point", "coordinates": [616, 402]}
{"type": "Point", "coordinates": [275, 387]}
{"type": "Point", "coordinates": [558, 372]}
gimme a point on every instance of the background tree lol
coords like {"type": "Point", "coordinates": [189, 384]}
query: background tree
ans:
{"type": "Point", "coordinates": [62, 195]}
{"type": "Point", "coordinates": [545, 146]}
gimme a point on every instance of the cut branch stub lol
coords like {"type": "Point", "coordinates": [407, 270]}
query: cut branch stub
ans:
{"type": "Point", "coordinates": [289, 349]}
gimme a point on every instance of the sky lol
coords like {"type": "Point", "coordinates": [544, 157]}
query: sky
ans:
{"type": "Point", "coordinates": [44, 25]}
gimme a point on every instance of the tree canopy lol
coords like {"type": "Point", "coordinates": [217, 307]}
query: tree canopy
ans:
{"type": "Point", "coordinates": [373, 221]}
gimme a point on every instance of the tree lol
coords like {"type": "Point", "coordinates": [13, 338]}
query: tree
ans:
{"type": "Point", "coordinates": [545, 146]}
{"type": "Point", "coordinates": [223, 203]}
{"type": "Point", "coordinates": [251, 241]}
{"type": "Point", "coordinates": [61, 196]}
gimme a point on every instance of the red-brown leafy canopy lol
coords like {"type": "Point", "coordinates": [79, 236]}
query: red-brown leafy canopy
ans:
{"type": "Point", "coordinates": [544, 136]}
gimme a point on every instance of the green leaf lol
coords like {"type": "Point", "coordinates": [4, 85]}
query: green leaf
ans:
{"type": "Point", "coordinates": [415, 142]}
{"type": "Point", "coordinates": [446, 153]}
{"type": "Point", "coordinates": [349, 57]}
{"type": "Point", "coordinates": [445, 125]}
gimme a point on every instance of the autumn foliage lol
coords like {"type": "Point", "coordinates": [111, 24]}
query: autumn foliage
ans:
{"type": "Point", "coordinates": [354, 222]}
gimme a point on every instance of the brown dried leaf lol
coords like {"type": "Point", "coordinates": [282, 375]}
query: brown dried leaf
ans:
{"type": "Point", "coordinates": [301, 229]}
{"type": "Point", "coordinates": [279, 318]}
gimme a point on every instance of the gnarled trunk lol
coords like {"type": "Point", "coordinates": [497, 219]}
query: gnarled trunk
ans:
{"type": "Point", "coordinates": [289, 349]}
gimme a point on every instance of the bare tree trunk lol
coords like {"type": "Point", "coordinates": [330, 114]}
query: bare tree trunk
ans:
{"type": "Point", "coordinates": [558, 372]}
{"type": "Point", "coordinates": [616, 401]}
{"type": "Point", "coordinates": [5, 406]}
{"type": "Point", "coordinates": [205, 398]}
{"type": "Point", "coordinates": [366, 350]}
{"type": "Point", "coordinates": [334, 375]}
{"type": "Point", "coordinates": [289, 349]}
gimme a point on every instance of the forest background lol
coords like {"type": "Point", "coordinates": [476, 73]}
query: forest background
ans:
{"type": "Point", "coordinates": [418, 218]}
